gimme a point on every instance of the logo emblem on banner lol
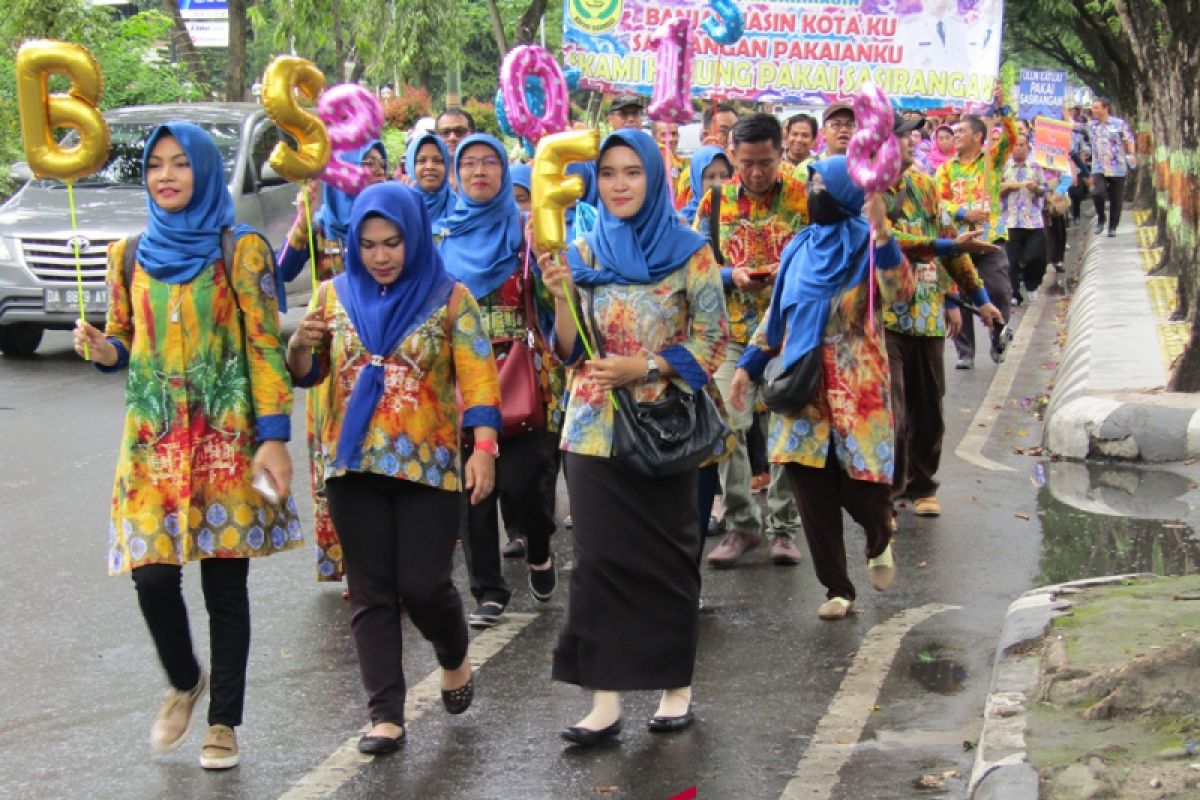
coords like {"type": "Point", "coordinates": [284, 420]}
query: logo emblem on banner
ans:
{"type": "Point", "coordinates": [596, 16]}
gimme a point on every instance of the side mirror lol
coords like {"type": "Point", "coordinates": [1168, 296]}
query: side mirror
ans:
{"type": "Point", "coordinates": [20, 171]}
{"type": "Point", "coordinates": [270, 177]}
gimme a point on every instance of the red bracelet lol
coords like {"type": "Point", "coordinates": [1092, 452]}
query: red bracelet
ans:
{"type": "Point", "coordinates": [488, 446]}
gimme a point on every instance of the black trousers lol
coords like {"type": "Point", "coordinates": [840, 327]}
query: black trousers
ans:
{"type": "Point", "coordinates": [1026, 250]}
{"type": "Point", "coordinates": [1078, 193]}
{"type": "Point", "coordinates": [821, 494]}
{"type": "Point", "coordinates": [1056, 238]}
{"type": "Point", "coordinates": [918, 371]}
{"type": "Point", "coordinates": [160, 595]}
{"type": "Point", "coordinates": [521, 480]}
{"type": "Point", "coordinates": [993, 271]}
{"type": "Point", "coordinates": [398, 544]}
{"type": "Point", "coordinates": [1110, 190]}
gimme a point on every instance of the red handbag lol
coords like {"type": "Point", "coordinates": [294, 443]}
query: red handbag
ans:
{"type": "Point", "coordinates": [522, 405]}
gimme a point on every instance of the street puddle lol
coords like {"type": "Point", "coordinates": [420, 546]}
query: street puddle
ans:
{"type": "Point", "coordinates": [936, 671]}
{"type": "Point", "coordinates": [1100, 519]}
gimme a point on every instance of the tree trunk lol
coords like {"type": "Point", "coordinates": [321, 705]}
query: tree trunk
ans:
{"type": "Point", "coordinates": [235, 72]}
{"type": "Point", "coordinates": [527, 26]}
{"type": "Point", "coordinates": [498, 28]}
{"type": "Point", "coordinates": [183, 43]}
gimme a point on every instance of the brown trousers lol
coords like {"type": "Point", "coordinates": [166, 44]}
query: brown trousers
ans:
{"type": "Point", "coordinates": [821, 494]}
{"type": "Point", "coordinates": [918, 386]}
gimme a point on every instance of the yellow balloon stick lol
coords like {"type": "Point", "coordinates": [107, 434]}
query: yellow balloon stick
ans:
{"type": "Point", "coordinates": [78, 263]}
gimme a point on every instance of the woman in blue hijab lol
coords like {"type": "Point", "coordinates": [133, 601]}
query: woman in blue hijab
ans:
{"type": "Point", "coordinates": [196, 445]}
{"type": "Point", "coordinates": [399, 341]}
{"type": "Point", "coordinates": [709, 166]}
{"type": "Point", "coordinates": [838, 451]}
{"type": "Point", "coordinates": [427, 164]}
{"type": "Point", "coordinates": [483, 246]}
{"type": "Point", "coordinates": [652, 292]}
{"type": "Point", "coordinates": [331, 226]}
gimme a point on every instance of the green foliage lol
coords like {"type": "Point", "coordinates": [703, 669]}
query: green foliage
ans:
{"type": "Point", "coordinates": [484, 114]}
{"type": "Point", "coordinates": [403, 110]}
{"type": "Point", "coordinates": [394, 142]}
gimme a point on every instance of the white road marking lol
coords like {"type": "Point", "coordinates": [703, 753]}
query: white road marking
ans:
{"type": "Point", "coordinates": [838, 732]}
{"type": "Point", "coordinates": [970, 449]}
{"type": "Point", "coordinates": [345, 762]}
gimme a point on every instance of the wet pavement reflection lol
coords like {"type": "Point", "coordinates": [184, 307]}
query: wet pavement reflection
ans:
{"type": "Point", "coordinates": [1101, 519]}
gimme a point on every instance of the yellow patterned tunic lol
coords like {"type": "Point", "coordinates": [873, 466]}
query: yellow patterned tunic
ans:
{"type": "Point", "coordinates": [206, 383]}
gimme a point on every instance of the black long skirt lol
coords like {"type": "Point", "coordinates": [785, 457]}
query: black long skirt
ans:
{"type": "Point", "coordinates": [632, 617]}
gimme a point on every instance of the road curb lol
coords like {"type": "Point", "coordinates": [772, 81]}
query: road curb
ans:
{"type": "Point", "coordinates": [1109, 399]}
{"type": "Point", "coordinates": [1002, 770]}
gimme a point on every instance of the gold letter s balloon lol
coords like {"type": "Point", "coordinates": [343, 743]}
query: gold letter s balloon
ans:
{"type": "Point", "coordinates": [553, 191]}
{"type": "Point", "coordinates": [284, 74]}
{"type": "Point", "coordinates": [42, 112]}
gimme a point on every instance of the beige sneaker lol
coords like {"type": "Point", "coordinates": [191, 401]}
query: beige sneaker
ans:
{"type": "Point", "coordinates": [835, 608]}
{"type": "Point", "coordinates": [882, 569]}
{"type": "Point", "coordinates": [174, 719]}
{"type": "Point", "coordinates": [220, 750]}
{"type": "Point", "coordinates": [927, 507]}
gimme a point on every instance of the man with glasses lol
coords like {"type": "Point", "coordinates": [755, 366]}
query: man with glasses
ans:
{"type": "Point", "coordinates": [452, 126]}
{"type": "Point", "coordinates": [760, 211]}
{"type": "Point", "coordinates": [626, 112]}
{"type": "Point", "coordinates": [838, 125]}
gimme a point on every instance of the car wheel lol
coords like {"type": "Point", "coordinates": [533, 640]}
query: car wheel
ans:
{"type": "Point", "coordinates": [21, 339]}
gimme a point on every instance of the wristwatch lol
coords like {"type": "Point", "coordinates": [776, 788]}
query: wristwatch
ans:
{"type": "Point", "coordinates": [488, 446]}
{"type": "Point", "coordinates": [652, 373]}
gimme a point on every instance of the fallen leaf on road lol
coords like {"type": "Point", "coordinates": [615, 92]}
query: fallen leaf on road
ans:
{"type": "Point", "coordinates": [607, 789]}
{"type": "Point", "coordinates": [876, 709]}
{"type": "Point", "coordinates": [922, 565]}
{"type": "Point", "coordinates": [930, 782]}
{"type": "Point", "coordinates": [1022, 432]}
{"type": "Point", "coordinates": [1023, 516]}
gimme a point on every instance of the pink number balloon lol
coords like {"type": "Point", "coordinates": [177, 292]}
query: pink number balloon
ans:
{"type": "Point", "coordinates": [520, 63]}
{"type": "Point", "coordinates": [672, 101]}
{"type": "Point", "coordinates": [353, 117]}
{"type": "Point", "coordinates": [873, 157]}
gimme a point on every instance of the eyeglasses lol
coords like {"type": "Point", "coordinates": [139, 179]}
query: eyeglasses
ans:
{"type": "Point", "coordinates": [472, 164]}
{"type": "Point", "coordinates": [841, 125]}
{"type": "Point", "coordinates": [461, 130]}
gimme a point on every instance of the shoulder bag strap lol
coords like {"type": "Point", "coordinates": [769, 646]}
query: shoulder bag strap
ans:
{"type": "Point", "coordinates": [228, 250]}
{"type": "Point", "coordinates": [714, 222]}
{"type": "Point", "coordinates": [129, 259]}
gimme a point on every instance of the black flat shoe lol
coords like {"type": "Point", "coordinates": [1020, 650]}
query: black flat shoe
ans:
{"type": "Point", "coordinates": [586, 737]}
{"type": "Point", "coordinates": [381, 745]}
{"type": "Point", "coordinates": [671, 724]}
{"type": "Point", "coordinates": [459, 700]}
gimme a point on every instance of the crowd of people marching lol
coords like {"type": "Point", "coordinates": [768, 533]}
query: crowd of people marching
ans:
{"type": "Point", "coordinates": [452, 372]}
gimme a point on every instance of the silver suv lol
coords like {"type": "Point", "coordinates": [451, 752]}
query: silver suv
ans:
{"type": "Point", "coordinates": [37, 262]}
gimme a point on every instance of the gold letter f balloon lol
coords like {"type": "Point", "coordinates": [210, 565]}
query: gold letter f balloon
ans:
{"type": "Point", "coordinates": [553, 191]}
{"type": "Point", "coordinates": [42, 113]}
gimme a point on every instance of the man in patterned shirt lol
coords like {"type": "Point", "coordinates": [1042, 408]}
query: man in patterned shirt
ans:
{"type": "Point", "coordinates": [1024, 191]}
{"type": "Point", "coordinates": [760, 211]}
{"type": "Point", "coordinates": [1112, 148]}
{"type": "Point", "coordinates": [968, 188]}
{"type": "Point", "coordinates": [916, 329]}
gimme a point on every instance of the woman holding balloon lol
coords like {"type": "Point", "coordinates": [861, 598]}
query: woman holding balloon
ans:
{"type": "Point", "coordinates": [397, 339]}
{"type": "Point", "coordinates": [654, 292]}
{"type": "Point", "coordinates": [838, 448]}
{"type": "Point", "coordinates": [204, 468]}
{"type": "Point", "coordinates": [482, 246]}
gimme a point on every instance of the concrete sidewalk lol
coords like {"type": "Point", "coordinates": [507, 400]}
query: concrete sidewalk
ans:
{"type": "Point", "coordinates": [1109, 399]}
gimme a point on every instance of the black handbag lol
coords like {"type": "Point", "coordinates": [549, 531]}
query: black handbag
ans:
{"type": "Point", "coordinates": [789, 391]}
{"type": "Point", "coordinates": [671, 435]}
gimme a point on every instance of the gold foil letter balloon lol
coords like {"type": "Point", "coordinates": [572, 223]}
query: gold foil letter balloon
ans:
{"type": "Point", "coordinates": [553, 191]}
{"type": "Point", "coordinates": [42, 112]}
{"type": "Point", "coordinates": [283, 75]}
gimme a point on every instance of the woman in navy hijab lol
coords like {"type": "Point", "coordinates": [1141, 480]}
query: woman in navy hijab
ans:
{"type": "Point", "coordinates": [483, 246]}
{"type": "Point", "coordinates": [654, 292]}
{"type": "Point", "coordinates": [397, 339]}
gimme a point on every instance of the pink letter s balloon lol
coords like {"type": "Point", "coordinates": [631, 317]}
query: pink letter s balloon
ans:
{"type": "Point", "coordinates": [873, 157]}
{"type": "Point", "coordinates": [521, 63]}
{"type": "Point", "coordinates": [353, 117]}
{"type": "Point", "coordinates": [672, 100]}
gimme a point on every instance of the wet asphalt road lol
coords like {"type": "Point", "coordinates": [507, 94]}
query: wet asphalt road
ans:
{"type": "Point", "coordinates": [81, 683]}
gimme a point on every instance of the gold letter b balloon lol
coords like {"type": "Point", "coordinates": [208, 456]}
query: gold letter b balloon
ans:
{"type": "Point", "coordinates": [553, 191]}
{"type": "Point", "coordinates": [284, 74]}
{"type": "Point", "coordinates": [42, 112]}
